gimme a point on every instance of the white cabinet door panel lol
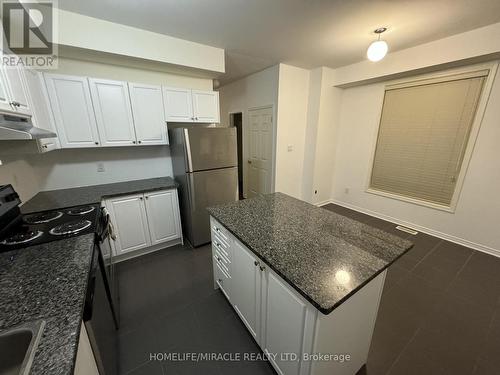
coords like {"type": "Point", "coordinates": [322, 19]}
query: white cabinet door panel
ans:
{"type": "Point", "coordinates": [42, 114]}
{"type": "Point", "coordinates": [205, 106]}
{"type": "Point", "coordinates": [246, 280]}
{"type": "Point", "coordinates": [128, 215]}
{"type": "Point", "coordinates": [163, 216]}
{"type": "Point", "coordinates": [17, 89]}
{"type": "Point", "coordinates": [149, 114]}
{"type": "Point", "coordinates": [113, 112]}
{"type": "Point", "coordinates": [178, 104]}
{"type": "Point", "coordinates": [285, 324]}
{"type": "Point", "coordinates": [73, 111]}
{"type": "Point", "coordinates": [4, 93]}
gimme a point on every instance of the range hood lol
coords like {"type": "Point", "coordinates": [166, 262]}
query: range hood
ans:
{"type": "Point", "coordinates": [18, 127]}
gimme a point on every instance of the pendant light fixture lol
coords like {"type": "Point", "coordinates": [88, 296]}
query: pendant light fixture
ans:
{"type": "Point", "coordinates": [378, 49]}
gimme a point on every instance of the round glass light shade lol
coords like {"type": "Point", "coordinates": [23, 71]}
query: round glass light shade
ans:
{"type": "Point", "coordinates": [377, 50]}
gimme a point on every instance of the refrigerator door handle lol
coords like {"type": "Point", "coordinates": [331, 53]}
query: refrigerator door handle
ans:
{"type": "Point", "coordinates": [187, 149]}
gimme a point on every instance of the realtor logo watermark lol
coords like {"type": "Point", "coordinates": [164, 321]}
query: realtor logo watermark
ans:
{"type": "Point", "coordinates": [29, 31]}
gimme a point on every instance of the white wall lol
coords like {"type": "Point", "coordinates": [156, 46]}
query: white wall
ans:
{"type": "Point", "coordinates": [20, 173]}
{"type": "Point", "coordinates": [256, 90]}
{"type": "Point", "coordinates": [78, 167]}
{"type": "Point", "coordinates": [292, 118]}
{"type": "Point", "coordinates": [79, 31]}
{"type": "Point", "coordinates": [475, 221]}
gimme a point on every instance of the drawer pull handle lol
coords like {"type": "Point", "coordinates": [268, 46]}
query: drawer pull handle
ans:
{"type": "Point", "coordinates": [256, 263]}
{"type": "Point", "coordinates": [262, 268]}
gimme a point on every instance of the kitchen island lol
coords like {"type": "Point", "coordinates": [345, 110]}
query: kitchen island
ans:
{"type": "Point", "coordinates": [305, 281]}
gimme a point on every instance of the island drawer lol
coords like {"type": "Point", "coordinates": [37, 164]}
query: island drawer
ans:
{"type": "Point", "coordinates": [219, 230]}
{"type": "Point", "coordinates": [222, 246]}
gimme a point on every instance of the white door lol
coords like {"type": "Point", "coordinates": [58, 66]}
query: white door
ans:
{"type": "Point", "coordinates": [128, 214]}
{"type": "Point", "coordinates": [149, 115]}
{"type": "Point", "coordinates": [205, 106]}
{"type": "Point", "coordinates": [42, 114]}
{"type": "Point", "coordinates": [162, 209]}
{"type": "Point", "coordinates": [178, 104]}
{"type": "Point", "coordinates": [113, 112]}
{"type": "Point", "coordinates": [260, 151]}
{"type": "Point", "coordinates": [4, 93]}
{"type": "Point", "coordinates": [246, 281]}
{"type": "Point", "coordinates": [285, 321]}
{"type": "Point", "coordinates": [73, 112]}
{"type": "Point", "coordinates": [17, 90]}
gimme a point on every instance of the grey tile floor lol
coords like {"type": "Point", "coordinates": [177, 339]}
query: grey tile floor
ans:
{"type": "Point", "coordinates": [439, 314]}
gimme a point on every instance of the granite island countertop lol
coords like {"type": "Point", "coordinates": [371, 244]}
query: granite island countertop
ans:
{"type": "Point", "coordinates": [325, 256]}
{"type": "Point", "coordinates": [48, 282]}
{"type": "Point", "coordinates": [63, 198]}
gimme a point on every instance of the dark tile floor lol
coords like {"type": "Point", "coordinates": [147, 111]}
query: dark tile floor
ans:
{"type": "Point", "coordinates": [439, 314]}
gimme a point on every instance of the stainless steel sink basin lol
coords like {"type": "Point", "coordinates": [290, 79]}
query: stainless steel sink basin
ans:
{"type": "Point", "coordinates": [18, 346]}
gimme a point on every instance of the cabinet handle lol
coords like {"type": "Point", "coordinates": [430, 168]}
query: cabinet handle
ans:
{"type": "Point", "coordinates": [147, 197]}
{"type": "Point", "coordinates": [45, 146]}
{"type": "Point", "coordinates": [256, 263]}
{"type": "Point", "coordinates": [140, 142]}
{"type": "Point", "coordinates": [218, 258]}
{"type": "Point", "coordinates": [15, 104]}
{"type": "Point", "coordinates": [262, 268]}
{"type": "Point", "coordinates": [133, 142]}
{"type": "Point", "coordinates": [96, 143]}
{"type": "Point", "coordinates": [217, 229]}
{"type": "Point", "coordinates": [141, 198]}
{"type": "Point", "coordinates": [220, 281]}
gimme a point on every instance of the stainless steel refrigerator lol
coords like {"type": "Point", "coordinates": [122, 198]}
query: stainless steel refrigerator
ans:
{"type": "Point", "coordinates": [205, 164]}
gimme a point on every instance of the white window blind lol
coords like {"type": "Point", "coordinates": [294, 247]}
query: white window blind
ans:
{"type": "Point", "coordinates": [423, 134]}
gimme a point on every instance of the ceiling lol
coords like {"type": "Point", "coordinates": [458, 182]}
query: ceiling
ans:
{"type": "Point", "coordinates": [306, 33]}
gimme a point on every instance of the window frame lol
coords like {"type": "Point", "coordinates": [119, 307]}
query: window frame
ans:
{"type": "Point", "coordinates": [442, 76]}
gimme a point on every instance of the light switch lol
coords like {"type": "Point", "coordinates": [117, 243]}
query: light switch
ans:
{"type": "Point", "coordinates": [290, 148]}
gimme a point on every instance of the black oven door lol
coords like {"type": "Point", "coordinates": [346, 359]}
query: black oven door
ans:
{"type": "Point", "coordinates": [99, 318]}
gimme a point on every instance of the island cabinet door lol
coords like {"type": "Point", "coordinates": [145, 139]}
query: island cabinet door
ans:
{"type": "Point", "coordinates": [287, 326]}
{"type": "Point", "coordinates": [247, 286]}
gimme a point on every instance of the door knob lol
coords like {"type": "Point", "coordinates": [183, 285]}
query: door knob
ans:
{"type": "Point", "coordinates": [249, 161]}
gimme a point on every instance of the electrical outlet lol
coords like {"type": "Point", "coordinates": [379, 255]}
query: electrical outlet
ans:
{"type": "Point", "coordinates": [290, 148]}
{"type": "Point", "coordinates": [100, 167]}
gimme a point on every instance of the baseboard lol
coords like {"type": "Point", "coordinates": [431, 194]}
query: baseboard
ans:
{"type": "Point", "coordinates": [151, 249]}
{"type": "Point", "coordinates": [419, 228]}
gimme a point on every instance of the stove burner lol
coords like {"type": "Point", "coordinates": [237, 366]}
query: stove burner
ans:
{"type": "Point", "coordinates": [43, 217]}
{"type": "Point", "coordinates": [22, 237]}
{"type": "Point", "coordinates": [71, 227]}
{"type": "Point", "coordinates": [80, 210]}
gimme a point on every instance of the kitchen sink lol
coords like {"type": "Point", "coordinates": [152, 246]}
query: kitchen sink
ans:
{"type": "Point", "coordinates": [18, 346]}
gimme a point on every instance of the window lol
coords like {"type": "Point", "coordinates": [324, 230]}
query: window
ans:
{"type": "Point", "coordinates": [423, 136]}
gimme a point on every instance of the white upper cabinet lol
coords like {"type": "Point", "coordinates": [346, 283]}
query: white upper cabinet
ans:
{"type": "Point", "coordinates": [13, 92]}
{"type": "Point", "coordinates": [73, 112]}
{"type": "Point", "coordinates": [4, 94]}
{"type": "Point", "coordinates": [205, 106]}
{"type": "Point", "coordinates": [184, 105]}
{"type": "Point", "coordinates": [42, 114]}
{"type": "Point", "coordinates": [17, 90]}
{"type": "Point", "coordinates": [113, 112]}
{"type": "Point", "coordinates": [178, 104]}
{"type": "Point", "coordinates": [149, 114]}
{"type": "Point", "coordinates": [162, 210]}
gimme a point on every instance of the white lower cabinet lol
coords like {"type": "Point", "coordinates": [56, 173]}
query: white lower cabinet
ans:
{"type": "Point", "coordinates": [247, 287]}
{"type": "Point", "coordinates": [163, 216]}
{"type": "Point", "coordinates": [128, 215]}
{"type": "Point", "coordinates": [288, 328]}
{"type": "Point", "coordinates": [142, 221]}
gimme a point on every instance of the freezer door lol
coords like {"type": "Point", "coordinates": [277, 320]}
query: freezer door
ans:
{"type": "Point", "coordinates": [210, 148]}
{"type": "Point", "coordinates": [205, 189]}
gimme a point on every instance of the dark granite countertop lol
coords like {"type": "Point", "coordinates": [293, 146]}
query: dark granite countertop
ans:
{"type": "Point", "coordinates": [62, 198]}
{"type": "Point", "coordinates": [326, 257]}
{"type": "Point", "coordinates": [48, 282]}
